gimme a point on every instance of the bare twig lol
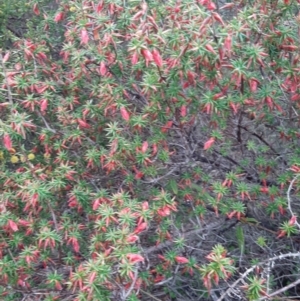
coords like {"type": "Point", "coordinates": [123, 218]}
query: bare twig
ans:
{"type": "Point", "coordinates": [263, 141]}
{"type": "Point", "coordinates": [197, 217]}
{"type": "Point", "coordinates": [126, 294]}
{"type": "Point", "coordinates": [46, 123]}
{"type": "Point", "coordinates": [184, 236]}
{"type": "Point", "coordinates": [9, 94]}
{"type": "Point", "coordinates": [293, 284]}
{"type": "Point", "coordinates": [288, 194]}
{"type": "Point", "coordinates": [149, 295]}
{"type": "Point", "coordinates": [159, 178]}
{"type": "Point", "coordinates": [9, 251]}
{"type": "Point", "coordinates": [245, 274]}
{"type": "Point", "coordinates": [56, 228]}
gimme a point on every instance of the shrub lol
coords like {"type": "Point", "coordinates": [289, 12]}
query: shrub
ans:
{"type": "Point", "coordinates": [147, 145]}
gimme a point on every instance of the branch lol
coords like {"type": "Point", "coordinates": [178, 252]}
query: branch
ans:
{"type": "Point", "coordinates": [9, 94]}
{"type": "Point", "coordinates": [184, 236]}
{"type": "Point", "coordinates": [46, 123]}
{"type": "Point", "coordinates": [288, 194]}
{"type": "Point", "coordinates": [263, 141]}
{"type": "Point", "coordinates": [149, 295]}
{"type": "Point", "coordinates": [161, 177]}
{"type": "Point", "coordinates": [125, 295]}
{"type": "Point", "coordinates": [293, 284]}
{"type": "Point", "coordinates": [244, 275]}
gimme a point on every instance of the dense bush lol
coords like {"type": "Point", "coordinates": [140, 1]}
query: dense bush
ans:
{"type": "Point", "coordinates": [150, 150]}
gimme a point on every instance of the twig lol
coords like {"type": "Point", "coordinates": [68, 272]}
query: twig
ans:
{"type": "Point", "coordinates": [151, 296]}
{"type": "Point", "coordinates": [125, 295]}
{"type": "Point", "coordinates": [9, 94]}
{"type": "Point", "coordinates": [163, 282]}
{"type": "Point", "coordinates": [184, 236]}
{"type": "Point", "coordinates": [244, 275]}
{"type": "Point", "coordinates": [56, 228]}
{"type": "Point", "coordinates": [268, 271]}
{"type": "Point", "coordinates": [293, 284]}
{"type": "Point", "coordinates": [288, 194]}
{"type": "Point", "coordinates": [9, 251]}
{"type": "Point", "coordinates": [159, 178]}
{"type": "Point", "coordinates": [46, 123]}
{"type": "Point", "coordinates": [197, 217]}
{"type": "Point", "coordinates": [263, 141]}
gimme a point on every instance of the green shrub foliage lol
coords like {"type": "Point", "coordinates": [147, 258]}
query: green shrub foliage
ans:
{"type": "Point", "coordinates": [150, 150]}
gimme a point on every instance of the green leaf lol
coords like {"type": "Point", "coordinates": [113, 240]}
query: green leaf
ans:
{"type": "Point", "coordinates": [240, 238]}
{"type": "Point", "coordinates": [251, 220]}
{"type": "Point", "coordinates": [173, 186]}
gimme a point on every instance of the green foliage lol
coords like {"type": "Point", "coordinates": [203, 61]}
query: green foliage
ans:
{"type": "Point", "coordinates": [240, 238]}
{"type": "Point", "coordinates": [220, 267]}
{"type": "Point", "coordinates": [130, 130]}
{"type": "Point", "coordinates": [255, 289]}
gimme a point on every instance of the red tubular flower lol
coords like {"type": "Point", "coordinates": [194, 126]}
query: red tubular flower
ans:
{"type": "Point", "coordinates": [209, 143]}
{"type": "Point", "coordinates": [180, 259]}
{"type": "Point", "coordinates": [134, 258]}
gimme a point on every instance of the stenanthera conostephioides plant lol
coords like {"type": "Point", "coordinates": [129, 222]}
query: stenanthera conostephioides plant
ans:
{"type": "Point", "coordinates": [148, 148]}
